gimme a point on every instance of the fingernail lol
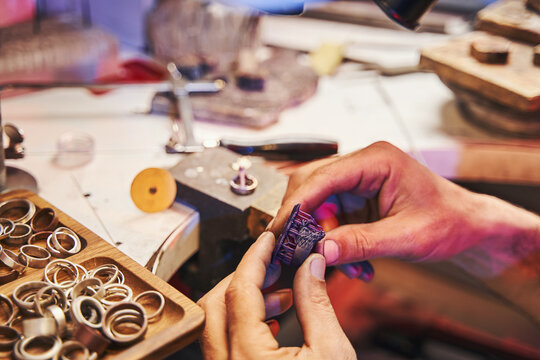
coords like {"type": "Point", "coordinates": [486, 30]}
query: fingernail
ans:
{"type": "Point", "coordinates": [317, 267]}
{"type": "Point", "coordinates": [274, 326]}
{"type": "Point", "coordinates": [269, 225]}
{"type": "Point", "coordinates": [330, 251]}
{"type": "Point", "coordinates": [267, 236]}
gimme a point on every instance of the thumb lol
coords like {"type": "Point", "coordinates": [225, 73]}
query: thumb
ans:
{"type": "Point", "coordinates": [322, 332]}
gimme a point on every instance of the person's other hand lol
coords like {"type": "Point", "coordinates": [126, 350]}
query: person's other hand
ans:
{"type": "Point", "coordinates": [422, 215]}
{"type": "Point", "coordinates": [236, 310]}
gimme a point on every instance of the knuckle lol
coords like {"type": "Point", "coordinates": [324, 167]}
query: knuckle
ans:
{"type": "Point", "coordinates": [360, 243]}
{"type": "Point", "coordinates": [322, 301]}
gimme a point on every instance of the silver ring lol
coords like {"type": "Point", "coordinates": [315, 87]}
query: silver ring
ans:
{"type": "Point", "coordinates": [10, 259]}
{"type": "Point", "coordinates": [54, 252]}
{"type": "Point", "coordinates": [56, 313]}
{"type": "Point", "coordinates": [58, 265]}
{"type": "Point", "coordinates": [66, 233]}
{"type": "Point", "coordinates": [8, 206]}
{"type": "Point", "coordinates": [23, 290]}
{"type": "Point", "coordinates": [42, 326]}
{"type": "Point", "coordinates": [7, 228]}
{"type": "Point", "coordinates": [27, 341]}
{"type": "Point", "coordinates": [36, 256]}
{"type": "Point", "coordinates": [9, 336]}
{"type": "Point", "coordinates": [152, 317]}
{"type": "Point", "coordinates": [19, 235]}
{"type": "Point", "coordinates": [12, 311]}
{"type": "Point", "coordinates": [111, 320]}
{"type": "Point", "coordinates": [111, 271]}
{"type": "Point", "coordinates": [92, 284]}
{"type": "Point", "coordinates": [59, 298]}
{"type": "Point", "coordinates": [40, 236]}
{"type": "Point", "coordinates": [69, 346]}
{"type": "Point", "coordinates": [78, 311]}
{"type": "Point", "coordinates": [115, 290]}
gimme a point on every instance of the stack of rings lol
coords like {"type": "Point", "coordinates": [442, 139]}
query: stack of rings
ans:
{"type": "Point", "coordinates": [24, 226]}
{"type": "Point", "coordinates": [75, 310]}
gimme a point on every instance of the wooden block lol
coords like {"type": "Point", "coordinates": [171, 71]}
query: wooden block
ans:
{"type": "Point", "coordinates": [511, 19]}
{"type": "Point", "coordinates": [182, 320]}
{"type": "Point", "coordinates": [490, 51]}
{"type": "Point", "coordinates": [516, 85]}
{"type": "Point", "coordinates": [534, 5]}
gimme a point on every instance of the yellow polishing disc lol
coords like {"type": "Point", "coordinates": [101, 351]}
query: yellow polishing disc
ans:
{"type": "Point", "coordinates": [153, 190]}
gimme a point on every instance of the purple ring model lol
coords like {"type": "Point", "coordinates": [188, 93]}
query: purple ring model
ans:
{"type": "Point", "coordinates": [297, 238]}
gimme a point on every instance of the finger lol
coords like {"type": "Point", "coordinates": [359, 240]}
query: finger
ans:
{"type": "Point", "coordinates": [295, 181]}
{"type": "Point", "coordinates": [313, 309]}
{"type": "Point", "coordinates": [244, 300]}
{"type": "Point", "coordinates": [303, 173]}
{"type": "Point", "coordinates": [386, 237]}
{"type": "Point", "coordinates": [273, 271]}
{"type": "Point", "coordinates": [277, 302]}
{"type": "Point", "coordinates": [363, 173]}
{"type": "Point", "coordinates": [213, 339]}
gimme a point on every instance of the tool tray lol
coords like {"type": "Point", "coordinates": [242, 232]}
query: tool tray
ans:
{"type": "Point", "coordinates": [182, 320]}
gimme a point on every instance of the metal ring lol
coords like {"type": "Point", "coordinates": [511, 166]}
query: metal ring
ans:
{"type": "Point", "coordinates": [84, 285]}
{"type": "Point", "coordinates": [42, 326]}
{"type": "Point", "coordinates": [37, 257]}
{"type": "Point", "coordinates": [108, 269]}
{"type": "Point", "coordinates": [152, 317]}
{"type": "Point", "coordinates": [109, 323]}
{"type": "Point", "coordinates": [47, 214]}
{"type": "Point", "coordinates": [27, 341]}
{"type": "Point", "coordinates": [10, 259]}
{"type": "Point", "coordinates": [23, 289]}
{"type": "Point", "coordinates": [9, 336]}
{"type": "Point", "coordinates": [9, 205]}
{"type": "Point", "coordinates": [19, 235]}
{"type": "Point", "coordinates": [7, 228]}
{"type": "Point", "coordinates": [66, 233]}
{"type": "Point", "coordinates": [54, 252]}
{"type": "Point", "coordinates": [70, 346]}
{"type": "Point", "coordinates": [78, 312]}
{"type": "Point", "coordinates": [40, 236]}
{"type": "Point", "coordinates": [59, 299]}
{"type": "Point", "coordinates": [58, 265]}
{"type": "Point", "coordinates": [55, 312]}
{"type": "Point", "coordinates": [12, 311]}
{"type": "Point", "coordinates": [112, 290]}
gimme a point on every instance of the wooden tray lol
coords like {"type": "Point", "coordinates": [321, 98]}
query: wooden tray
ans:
{"type": "Point", "coordinates": [182, 320]}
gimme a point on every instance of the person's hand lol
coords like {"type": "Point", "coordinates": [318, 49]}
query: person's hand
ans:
{"type": "Point", "coordinates": [422, 216]}
{"type": "Point", "coordinates": [236, 310]}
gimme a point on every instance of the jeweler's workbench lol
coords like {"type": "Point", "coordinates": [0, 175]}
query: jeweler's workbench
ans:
{"type": "Point", "coordinates": [415, 112]}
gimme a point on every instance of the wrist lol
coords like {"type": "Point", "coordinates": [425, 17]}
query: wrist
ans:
{"type": "Point", "coordinates": [504, 233]}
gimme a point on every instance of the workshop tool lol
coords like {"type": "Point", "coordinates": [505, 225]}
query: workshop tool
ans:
{"type": "Point", "coordinates": [494, 78]}
{"type": "Point", "coordinates": [183, 139]}
{"type": "Point", "coordinates": [229, 222]}
{"type": "Point", "coordinates": [153, 190]}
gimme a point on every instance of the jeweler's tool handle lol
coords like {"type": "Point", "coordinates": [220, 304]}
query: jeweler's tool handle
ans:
{"type": "Point", "coordinates": [284, 148]}
{"type": "Point", "coordinates": [359, 270]}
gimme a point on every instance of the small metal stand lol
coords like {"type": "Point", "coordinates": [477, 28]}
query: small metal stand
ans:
{"type": "Point", "coordinates": [12, 178]}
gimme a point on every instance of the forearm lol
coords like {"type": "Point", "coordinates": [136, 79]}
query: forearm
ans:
{"type": "Point", "coordinates": [505, 234]}
{"type": "Point", "coordinates": [507, 257]}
